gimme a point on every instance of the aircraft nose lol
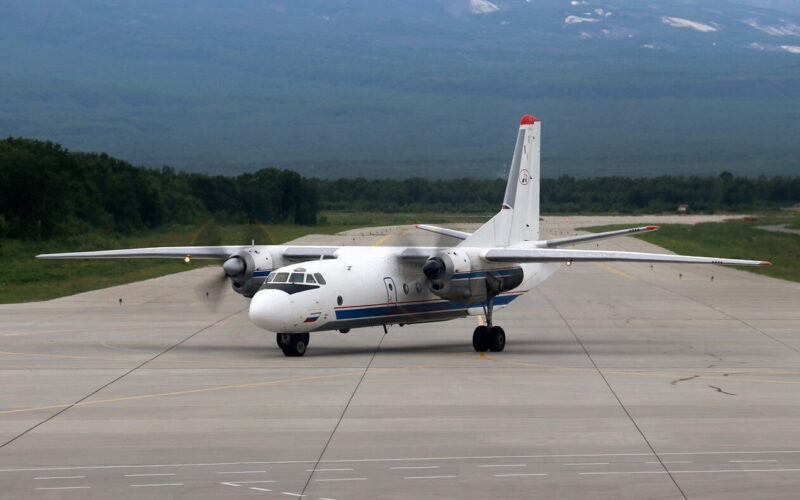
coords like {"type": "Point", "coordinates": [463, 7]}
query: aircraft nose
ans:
{"type": "Point", "coordinates": [270, 310]}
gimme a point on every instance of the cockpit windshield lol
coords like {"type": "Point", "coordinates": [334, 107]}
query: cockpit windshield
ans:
{"type": "Point", "coordinates": [296, 278]}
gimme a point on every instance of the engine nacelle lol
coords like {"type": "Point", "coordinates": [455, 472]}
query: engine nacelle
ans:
{"type": "Point", "coordinates": [451, 276]}
{"type": "Point", "coordinates": [248, 269]}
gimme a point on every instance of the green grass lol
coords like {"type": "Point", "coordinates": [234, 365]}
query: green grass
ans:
{"type": "Point", "coordinates": [26, 279]}
{"type": "Point", "coordinates": [733, 239]}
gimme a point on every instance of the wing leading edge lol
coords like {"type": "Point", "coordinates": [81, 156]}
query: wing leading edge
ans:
{"type": "Point", "coordinates": [195, 252]}
{"type": "Point", "coordinates": [555, 255]}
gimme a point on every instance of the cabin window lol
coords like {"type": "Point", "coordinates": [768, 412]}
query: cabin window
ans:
{"type": "Point", "coordinates": [320, 279]}
{"type": "Point", "coordinates": [296, 278]}
{"type": "Point", "coordinates": [339, 300]}
{"type": "Point", "coordinates": [310, 279]}
{"type": "Point", "coordinates": [280, 278]}
{"type": "Point", "coordinates": [405, 288]}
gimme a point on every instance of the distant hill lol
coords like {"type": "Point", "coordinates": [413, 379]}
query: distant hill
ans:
{"type": "Point", "coordinates": [334, 88]}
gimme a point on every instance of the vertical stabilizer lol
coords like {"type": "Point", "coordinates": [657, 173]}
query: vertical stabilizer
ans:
{"type": "Point", "coordinates": [518, 220]}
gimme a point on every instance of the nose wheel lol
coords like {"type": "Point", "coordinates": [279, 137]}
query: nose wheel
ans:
{"type": "Point", "coordinates": [292, 344]}
{"type": "Point", "coordinates": [489, 339]}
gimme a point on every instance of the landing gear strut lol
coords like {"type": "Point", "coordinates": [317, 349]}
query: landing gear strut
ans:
{"type": "Point", "coordinates": [292, 344]}
{"type": "Point", "coordinates": [489, 337]}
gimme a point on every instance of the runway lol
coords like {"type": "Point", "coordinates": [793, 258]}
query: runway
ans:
{"type": "Point", "coordinates": [618, 381]}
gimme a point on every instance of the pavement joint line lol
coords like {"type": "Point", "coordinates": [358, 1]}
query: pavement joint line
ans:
{"type": "Point", "coordinates": [344, 411]}
{"type": "Point", "coordinates": [415, 467]}
{"type": "Point", "coordinates": [403, 459]}
{"type": "Point", "coordinates": [672, 462]}
{"type": "Point", "coordinates": [254, 482]}
{"type": "Point", "coordinates": [242, 472]}
{"type": "Point", "coordinates": [616, 396]}
{"type": "Point", "coordinates": [327, 470]}
{"type": "Point", "coordinates": [709, 471]}
{"type": "Point", "coordinates": [108, 384]}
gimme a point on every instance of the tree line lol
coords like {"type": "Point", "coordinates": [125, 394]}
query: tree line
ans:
{"type": "Point", "coordinates": [48, 191]}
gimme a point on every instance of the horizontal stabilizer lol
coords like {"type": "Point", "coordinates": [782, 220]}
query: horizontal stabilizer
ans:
{"type": "Point", "coordinates": [218, 252]}
{"type": "Point", "coordinates": [556, 255]}
{"type": "Point", "coordinates": [570, 240]}
{"type": "Point", "coordinates": [461, 235]}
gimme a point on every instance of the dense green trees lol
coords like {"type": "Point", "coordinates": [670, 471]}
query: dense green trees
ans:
{"type": "Point", "coordinates": [48, 191]}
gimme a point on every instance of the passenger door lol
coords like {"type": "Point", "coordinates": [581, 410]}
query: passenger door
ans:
{"type": "Point", "coordinates": [391, 291]}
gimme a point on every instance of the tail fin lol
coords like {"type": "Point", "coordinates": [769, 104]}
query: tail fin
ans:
{"type": "Point", "coordinates": [518, 220]}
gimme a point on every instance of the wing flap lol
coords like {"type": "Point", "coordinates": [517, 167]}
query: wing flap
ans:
{"type": "Point", "coordinates": [556, 255]}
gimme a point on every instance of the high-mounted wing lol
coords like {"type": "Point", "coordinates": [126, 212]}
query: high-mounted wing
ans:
{"type": "Point", "coordinates": [194, 252]}
{"type": "Point", "coordinates": [569, 240]}
{"type": "Point", "coordinates": [310, 253]}
{"type": "Point", "coordinates": [556, 255]}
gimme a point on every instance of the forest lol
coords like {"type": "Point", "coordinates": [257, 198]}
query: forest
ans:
{"type": "Point", "coordinates": [47, 191]}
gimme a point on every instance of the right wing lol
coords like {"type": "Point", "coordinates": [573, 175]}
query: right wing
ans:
{"type": "Point", "coordinates": [556, 255]}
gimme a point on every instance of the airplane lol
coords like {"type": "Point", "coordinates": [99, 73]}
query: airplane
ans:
{"type": "Point", "coordinates": [297, 290]}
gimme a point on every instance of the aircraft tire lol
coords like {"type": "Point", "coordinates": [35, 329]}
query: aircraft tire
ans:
{"type": "Point", "coordinates": [296, 344]}
{"type": "Point", "coordinates": [497, 339]}
{"type": "Point", "coordinates": [480, 339]}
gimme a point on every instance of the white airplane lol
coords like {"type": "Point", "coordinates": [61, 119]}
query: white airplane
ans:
{"type": "Point", "coordinates": [297, 290]}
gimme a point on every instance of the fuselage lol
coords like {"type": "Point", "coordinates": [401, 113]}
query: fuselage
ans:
{"type": "Point", "coordinates": [367, 286]}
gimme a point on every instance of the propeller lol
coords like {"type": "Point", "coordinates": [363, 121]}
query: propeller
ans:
{"type": "Point", "coordinates": [210, 290]}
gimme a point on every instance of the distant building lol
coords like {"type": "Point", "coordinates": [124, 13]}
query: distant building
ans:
{"type": "Point", "coordinates": [683, 208]}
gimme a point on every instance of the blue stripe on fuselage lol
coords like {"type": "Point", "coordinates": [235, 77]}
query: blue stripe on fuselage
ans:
{"type": "Point", "coordinates": [414, 308]}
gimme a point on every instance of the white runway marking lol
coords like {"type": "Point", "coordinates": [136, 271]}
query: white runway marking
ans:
{"type": "Point", "coordinates": [672, 462]}
{"type": "Point", "coordinates": [298, 495]}
{"type": "Point", "coordinates": [429, 477]}
{"type": "Point", "coordinates": [155, 485]}
{"type": "Point", "coordinates": [230, 484]}
{"type": "Point", "coordinates": [341, 479]}
{"type": "Point", "coordinates": [588, 463]}
{"type": "Point", "coordinates": [521, 474]}
{"type": "Point", "coordinates": [151, 475]}
{"type": "Point", "coordinates": [259, 489]}
{"type": "Point", "coordinates": [408, 467]}
{"type": "Point", "coordinates": [749, 461]}
{"type": "Point", "coordinates": [400, 459]}
{"type": "Point", "coordinates": [503, 465]}
{"type": "Point", "coordinates": [254, 482]}
{"type": "Point", "coordinates": [326, 470]}
{"type": "Point", "coordinates": [242, 472]}
{"type": "Point", "coordinates": [66, 488]}
{"type": "Point", "coordinates": [60, 477]}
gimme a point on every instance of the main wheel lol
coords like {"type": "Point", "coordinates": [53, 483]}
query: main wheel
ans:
{"type": "Point", "coordinates": [480, 339]}
{"type": "Point", "coordinates": [497, 339]}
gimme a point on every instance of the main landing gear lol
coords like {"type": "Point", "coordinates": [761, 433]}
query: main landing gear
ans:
{"type": "Point", "coordinates": [488, 337]}
{"type": "Point", "coordinates": [292, 344]}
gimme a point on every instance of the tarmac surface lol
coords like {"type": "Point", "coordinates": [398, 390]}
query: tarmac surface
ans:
{"type": "Point", "coordinates": [617, 381]}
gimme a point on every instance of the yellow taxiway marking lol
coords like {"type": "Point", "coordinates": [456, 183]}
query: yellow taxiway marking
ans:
{"type": "Point", "coordinates": [380, 241]}
{"type": "Point", "coordinates": [614, 270]}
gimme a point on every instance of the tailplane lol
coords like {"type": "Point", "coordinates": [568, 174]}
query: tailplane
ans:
{"type": "Point", "coordinates": [518, 220]}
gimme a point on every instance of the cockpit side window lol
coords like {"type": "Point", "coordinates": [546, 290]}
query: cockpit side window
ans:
{"type": "Point", "coordinates": [310, 279]}
{"type": "Point", "coordinates": [296, 278]}
{"type": "Point", "coordinates": [280, 278]}
{"type": "Point", "coordinates": [320, 279]}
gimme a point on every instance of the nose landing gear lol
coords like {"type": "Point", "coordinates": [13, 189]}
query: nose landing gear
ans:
{"type": "Point", "coordinates": [292, 344]}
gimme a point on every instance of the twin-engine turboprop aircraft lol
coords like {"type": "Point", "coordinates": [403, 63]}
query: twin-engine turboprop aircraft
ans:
{"type": "Point", "coordinates": [297, 290]}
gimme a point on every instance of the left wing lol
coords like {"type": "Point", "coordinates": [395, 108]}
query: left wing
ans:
{"type": "Point", "coordinates": [555, 255]}
{"type": "Point", "coordinates": [217, 252]}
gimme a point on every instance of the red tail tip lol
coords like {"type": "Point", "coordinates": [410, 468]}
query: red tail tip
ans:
{"type": "Point", "coordinates": [766, 263]}
{"type": "Point", "coordinates": [529, 120]}
{"type": "Point", "coordinates": [652, 228]}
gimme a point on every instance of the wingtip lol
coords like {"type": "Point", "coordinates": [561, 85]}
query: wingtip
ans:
{"type": "Point", "coordinates": [652, 228]}
{"type": "Point", "coordinates": [766, 263]}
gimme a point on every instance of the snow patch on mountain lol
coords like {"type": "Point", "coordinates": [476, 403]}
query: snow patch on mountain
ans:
{"type": "Point", "coordinates": [576, 2]}
{"type": "Point", "coordinates": [794, 49]}
{"type": "Point", "coordinates": [602, 12]}
{"type": "Point", "coordinates": [679, 22]}
{"type": "Point", "coordinates": [774, 30]}
{"type": "Point", "coordinates": [482, 7]}
{"type": "Point", "coordinates": [576, 20]}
